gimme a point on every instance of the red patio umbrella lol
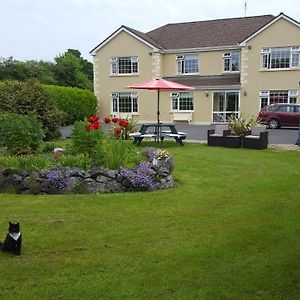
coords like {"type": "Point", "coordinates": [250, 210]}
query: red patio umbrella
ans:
{"type": "Point", "coordinates": [160, 85]}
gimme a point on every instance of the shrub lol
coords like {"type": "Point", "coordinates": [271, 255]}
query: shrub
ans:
{"type": "Point", "coordinates": [81, 161]}
{"type": "Point", "coordinates": [29, 98]}
{"type": "Point", "coordinates": [27, 162]}
{"type": "Point", "coordinates": [20, 134]}
{"type": "Point", "coordinates": [76, 103]}
{"type": "Point", "coordinates": [87, 136]}
{"type": "Point", "coordinates": [116, 153]}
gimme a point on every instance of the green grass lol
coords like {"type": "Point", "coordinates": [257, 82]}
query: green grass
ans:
{"type": "Point", "coordinates": [229, 230]}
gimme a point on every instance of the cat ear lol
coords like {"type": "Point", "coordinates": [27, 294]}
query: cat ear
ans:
{"type": "Point", "coordinates": [9, 223]}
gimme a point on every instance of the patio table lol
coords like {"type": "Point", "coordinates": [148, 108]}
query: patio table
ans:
{"type": "Point", "coordinates": [158, 131]}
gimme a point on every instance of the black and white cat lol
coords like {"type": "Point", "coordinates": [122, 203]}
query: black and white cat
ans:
{"type": "Point", "coordinates": [13, 240]}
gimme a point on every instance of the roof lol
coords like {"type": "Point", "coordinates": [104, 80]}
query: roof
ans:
{"type": "Point", "coordinates": [222, 32]}
{"type": "Point", "coordinates": [210, 81]}
{"type": "Point", "coordinates": [228, 32]}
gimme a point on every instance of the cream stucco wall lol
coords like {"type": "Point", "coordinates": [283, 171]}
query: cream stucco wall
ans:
{"type": "Point", "coordinates": [154, 64]}
{"type": "Point", "coordinates": [280, 34]}
{"type": "Point", "coordinates": [105, 83]}
{"type": "Point", "coordinates": [210, 63]}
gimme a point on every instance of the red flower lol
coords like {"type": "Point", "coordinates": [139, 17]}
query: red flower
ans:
{"type": "Point", "coordinates": [95, 126]}
{"type": "Point", "coordinates": [114, 120]}
{"type": "Point", "coordinates": [107, 120]}
{"type": "Point", "coordinates": [93, 119]}
{"type": "Point", "coordinates": [87, 127]}
{"type": "Point", "coordinates": [123, 123]}
{"type": "Point", "coordinates": [117, 131]}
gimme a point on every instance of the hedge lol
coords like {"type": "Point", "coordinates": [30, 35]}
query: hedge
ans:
{"type": "Point", "coordinates": [76, 103]}
{"type": "Point", "coordinates": [29, 98]}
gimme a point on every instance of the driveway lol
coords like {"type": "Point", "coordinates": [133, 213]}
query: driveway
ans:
{"type": "Point", "coordinates": [199, 133]}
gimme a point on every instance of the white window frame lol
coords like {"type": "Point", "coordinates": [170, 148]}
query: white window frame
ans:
{"type": "Point", "coordinates": [294, 58]}
{"type": "Point", "coordinates": [228, 56]}
{"type": "Point", "coordinates": [115, 96]}
{"type": "Point", "coordinates": [115, 68]}
{"type": "Point", "coordinates": [181, 61]}
{"type": "Point", "coordinates": [265, 94]}
{"type": "Point", "coordinates": [224, 112]}
{"type": "Point", "coordinates": [176, 96]}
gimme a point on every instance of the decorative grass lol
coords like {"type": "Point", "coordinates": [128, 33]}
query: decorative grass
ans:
{"type": "Point", "coordinates": [229, 230]}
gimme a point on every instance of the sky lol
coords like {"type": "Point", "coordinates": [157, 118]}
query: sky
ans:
{"type": "Point", "coordinates": [43, 29]}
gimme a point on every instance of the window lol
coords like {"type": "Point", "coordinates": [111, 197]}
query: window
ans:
{"type": "Point", "coordinates": [231, 61]}
{"type": "Point", "coordinates": [124, 102]}
{"type": "Point", "coordinates": [187, 64]}
{"type": "Point", "coordinates": [182, 101]}
{"type": "Point", "coordinates": [225, 104]}
{"type": "Point", "coordinates": [124, 65]}
{"type": "Point", "coordinates": [274, 97]}
{"type": "Point", "coordinates": [280, 58]}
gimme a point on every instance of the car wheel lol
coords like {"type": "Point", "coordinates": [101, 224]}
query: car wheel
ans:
{"type": "Point", "coordinates": [273, 124]}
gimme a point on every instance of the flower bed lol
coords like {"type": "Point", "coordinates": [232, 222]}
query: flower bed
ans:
{"type": "Point", "coordinates": [147, 175]}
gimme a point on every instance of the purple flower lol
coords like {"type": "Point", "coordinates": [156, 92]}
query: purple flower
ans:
{"type": "Point", "coordinates": [142, 177]}
{"type": "Point", "coordinates": [57, 179]}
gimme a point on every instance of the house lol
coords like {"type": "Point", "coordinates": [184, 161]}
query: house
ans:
{"type": "Point", "coordinates": [236, 65]}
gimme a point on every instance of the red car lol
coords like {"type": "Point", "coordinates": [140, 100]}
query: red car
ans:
{"type": "Point", "coordinates": [277, 115]}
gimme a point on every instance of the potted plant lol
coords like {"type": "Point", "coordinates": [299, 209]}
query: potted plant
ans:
{"type": "Point", "coordinates": [239, 126]}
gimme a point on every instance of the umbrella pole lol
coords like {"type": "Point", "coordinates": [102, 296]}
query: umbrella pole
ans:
{"type": "Point", "coordinates": [158, 112]}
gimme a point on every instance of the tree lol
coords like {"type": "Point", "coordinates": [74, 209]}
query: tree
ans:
{"type": "Point", "coordinates": [71, 69]}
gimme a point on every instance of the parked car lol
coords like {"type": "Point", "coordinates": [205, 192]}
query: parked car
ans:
{"type": "Point", "coordinates": [277, 115]}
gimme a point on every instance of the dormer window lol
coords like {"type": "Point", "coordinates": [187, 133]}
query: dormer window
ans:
{"type": "Point", "coordinates": [124, 65]}
{"type": "Point", "coordinates": [231, 61]}
{"type": "Point", "coordinates": [187, 64]}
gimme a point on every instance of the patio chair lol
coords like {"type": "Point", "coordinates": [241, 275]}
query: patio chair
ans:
{"type": "Point", "coordinates": [216, 137]}
{"type": "Point", "coordinates": [256, 138]}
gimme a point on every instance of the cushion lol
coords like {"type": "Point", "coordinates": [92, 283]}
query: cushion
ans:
{"type": "Point", "coordinates": [220, 128]}
{"type": "Point", "coordinates": [256, 130]}
{"type": "Point", "coordinates": [251, 137]}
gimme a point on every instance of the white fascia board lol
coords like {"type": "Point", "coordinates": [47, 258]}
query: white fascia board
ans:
{"type": "Point", "coordinates": [281, 16]}
{"type": "Point", "coordinates": [202, 49]}
{"type": "Point", "coordinates": [93, 52]}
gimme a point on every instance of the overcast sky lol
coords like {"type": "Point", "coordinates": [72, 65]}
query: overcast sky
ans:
{"type": "Point", "coordinates": [43, 29]}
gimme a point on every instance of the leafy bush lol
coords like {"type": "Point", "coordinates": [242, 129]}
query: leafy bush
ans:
{"type": "Point", "coordinates": [81, 161]}
{"type": "Point", "coordinates": [27, 162]}
{"type": "Point", "coordinates": [238, 125]}
{"type": "Point", "coordinates": [76, 103]}
{"type": "Point", "coordinates": [87, 137]}
{"type": "Point", "coordinates": [29, 98]}
{"type": "Point", "coordinates": [115, 153]}
{"type": "Point", "coordinates": [20, 134]}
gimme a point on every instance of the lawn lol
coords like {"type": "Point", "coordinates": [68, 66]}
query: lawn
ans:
{"type": "Point", "coordinates": [229, 230]}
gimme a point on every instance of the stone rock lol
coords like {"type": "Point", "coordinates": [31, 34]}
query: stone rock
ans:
{"type": "Point", "coordinates": [91, 186]}
{"type": "Point", "coordinates": [115, 187]}
{"type": "Point", "coordinates": [74, 185]}
{"type": "Point", "coordinates": [96, 171]}
{"type": "Point", "coordinates": [102, 179]}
